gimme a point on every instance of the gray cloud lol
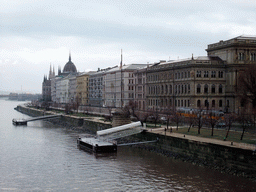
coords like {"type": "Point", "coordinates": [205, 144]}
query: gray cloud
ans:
{"type": "Point", "coordinates": [34, 34]}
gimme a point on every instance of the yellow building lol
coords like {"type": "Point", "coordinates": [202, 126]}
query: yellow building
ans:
{"type": "Point", "coordinates": [82, 88]}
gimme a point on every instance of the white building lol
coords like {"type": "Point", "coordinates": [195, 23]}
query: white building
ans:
{"type": "Point", "coordinates": [119, 85]}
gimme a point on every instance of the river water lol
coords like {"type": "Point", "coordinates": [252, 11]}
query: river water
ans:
{"type": "Point", "coordinates": [45, 157]}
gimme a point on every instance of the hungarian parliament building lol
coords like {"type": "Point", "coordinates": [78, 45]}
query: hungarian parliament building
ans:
{"type": "Point", "coordinates": [197, 82]}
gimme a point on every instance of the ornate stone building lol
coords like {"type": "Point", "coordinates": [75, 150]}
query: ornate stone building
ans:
{"type": "Point", "coordinates": [46, 86]}
{"type": "Point", "coordinates": [63, 86]}
{"type": "Point", "coordinates": [209, 82]}
{"type": "Point", "coordinates": [120, 85]}
{"type": "Point", "coordinates": [238, 53]}
{"type": "Point", "coordinates": [194, 83]}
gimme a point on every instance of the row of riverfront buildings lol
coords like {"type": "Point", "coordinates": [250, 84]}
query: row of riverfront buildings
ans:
{"type": "Point", "coordinates": [206, 81]}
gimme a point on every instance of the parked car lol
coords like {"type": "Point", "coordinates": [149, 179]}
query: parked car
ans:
{"type": "Point", "coordinates": [220, 124]}
{"type": "Point", "coordinates": [163, 120]}
{"type": "Point", "coordinates": [151, 119]}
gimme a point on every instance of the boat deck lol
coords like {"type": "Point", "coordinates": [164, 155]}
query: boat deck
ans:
{"type": "Point", "coordinates": [94, 141]}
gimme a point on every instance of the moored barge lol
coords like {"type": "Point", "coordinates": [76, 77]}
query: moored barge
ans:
{"type": "Point", "coordinates": [92, 144]}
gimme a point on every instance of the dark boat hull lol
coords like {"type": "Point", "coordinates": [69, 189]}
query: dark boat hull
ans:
{"type": "Point", "coordinates": [111, 148]}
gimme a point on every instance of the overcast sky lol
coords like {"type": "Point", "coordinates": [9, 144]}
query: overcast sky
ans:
{"type": "Point", "coordinates": [37, 33]}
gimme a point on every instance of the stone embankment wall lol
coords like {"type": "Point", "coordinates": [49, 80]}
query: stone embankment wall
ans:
{"type": "Point", "coordinates": [76, 123]}
{"type": "Point", "coordinates": [231, 160]}
{"type": "Point", "coordinates": [226, 159]}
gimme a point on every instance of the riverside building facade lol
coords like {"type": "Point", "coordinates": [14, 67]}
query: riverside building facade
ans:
{"type": "Point", "coordinates": [209, 82]}
{"type": "Point", "coordinates": [191, 83]}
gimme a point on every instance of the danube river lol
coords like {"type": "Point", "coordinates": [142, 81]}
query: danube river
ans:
{"type": "Point", "coordinates": [45, 157]}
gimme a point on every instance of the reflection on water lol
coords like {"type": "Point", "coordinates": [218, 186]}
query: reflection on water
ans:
{"type": "Point", "coordinates": [44, 157]}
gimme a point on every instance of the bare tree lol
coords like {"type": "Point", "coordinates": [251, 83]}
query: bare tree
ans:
{"type": "Point", "coordinates": [154, 115]}
{"type": "Point", "coordinates": [191, 120]}
{"type": "Point", "coordinates": [229, 120]}
{"type": "Point", "coordinates": [177, 118]}
{"type": "Point", "coordinates": [247, 85]}
{"type": "Point", "coordinates": [109, 116]}
{"type": "Point", "coordinates": [77, 103]}
{"type": "Point", "coordinates": [168, 112]}
{"type": "Point", "coordinates": [199, 119]}
{"type": "Point", "coordinates": [245, 120]}
{"type": "Point", "coordinates": [212, 119]}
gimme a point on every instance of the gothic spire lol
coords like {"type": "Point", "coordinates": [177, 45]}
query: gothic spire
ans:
{"type": "Point", "coordinates": [121, 62]}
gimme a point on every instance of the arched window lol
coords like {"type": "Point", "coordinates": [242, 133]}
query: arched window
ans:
{"type": "Point", "coordinates": [206, 103]}
{"type": "Point", "coordinates": [170, 89]}
{"type": "Point", "coordinates": [205, 88]}
{"type": "Point", "coordinates": [220, 88]}
{"type": "Point", "coordinates": [213, 103]}
{"type": "Point", "coordinates": [213, 88]}
{"type": "Point", "coordinates": [198, 89]}
{"type": "Point", "coordinates": [198, 103]}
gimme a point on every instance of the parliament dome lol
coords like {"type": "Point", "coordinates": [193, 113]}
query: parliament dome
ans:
{"type": "Point", "coordinates": [70, 66]}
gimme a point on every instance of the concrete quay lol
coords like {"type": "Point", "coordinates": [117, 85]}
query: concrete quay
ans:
{"type": "Point", "coordinates": [162, 131]}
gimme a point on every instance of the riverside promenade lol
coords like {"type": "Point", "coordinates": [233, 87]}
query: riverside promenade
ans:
{"type": "Point", "coordinates": [161, 131]}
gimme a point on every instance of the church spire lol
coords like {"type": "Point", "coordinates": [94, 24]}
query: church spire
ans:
{"type": "Point", "coordinates": [69, 55]}
{"type": "Point", "coordinates": [121, 62]}
{"type": "Point", "coordinates": [50, 72]}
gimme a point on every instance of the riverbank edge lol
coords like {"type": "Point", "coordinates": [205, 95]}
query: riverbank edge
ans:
{"type": "Point", "coordinates": [235, 161]}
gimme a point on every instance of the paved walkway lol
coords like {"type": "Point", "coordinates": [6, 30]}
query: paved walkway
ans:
{"type": "Point", "coordinates": [161, 131]}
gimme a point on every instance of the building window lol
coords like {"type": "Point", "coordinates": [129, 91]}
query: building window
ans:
{"type": "Point", "coordinates": [253, 57]}
{"type": "Point", "coordinates": [206, 74]}
{"type": "Point", "coordinates": [188, 103]}
{"type": "Point", "coordinates": [198, 89]}
{"type": "Point", "coordinates": [198, 73]}
{"type": "Point", "coordinates": [205, 88]}
{"type": "Point", "coordinates": [241, 56]}
{"type": "Point", "coordinates": [188, 88]}
{"type": "Point", "coordinates": [198, 103]}
{"type": "Point", "coordinates": [213, 88]}
{"type": "Point", "coordinates": [220, 74]}
{"type": "Point", "coordinates": [213, 74]}
{"type": "Point", "coordinates": [185, 74]}
{"type": "Point", "coordinates": [220, 88]}
{"type": "Point", "coordinates": [220, 103]}
{"type": "Point", "coordinates": [213, 103]}
{"type": "Point", "coordinates": [181, 75]}
{"type": "Point", "coordinates": [188, 74]}
{"type": "Point", "coordinates": [170, 90]}
{"type": "Point", "coordinates": [206, 103]}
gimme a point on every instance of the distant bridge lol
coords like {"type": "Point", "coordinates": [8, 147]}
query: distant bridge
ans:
{"type": "Point", "coordinates": [25, 121]}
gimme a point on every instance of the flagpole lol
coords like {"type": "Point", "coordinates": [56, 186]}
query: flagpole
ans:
{"type": "Point", "coordinates": [121, 66]}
